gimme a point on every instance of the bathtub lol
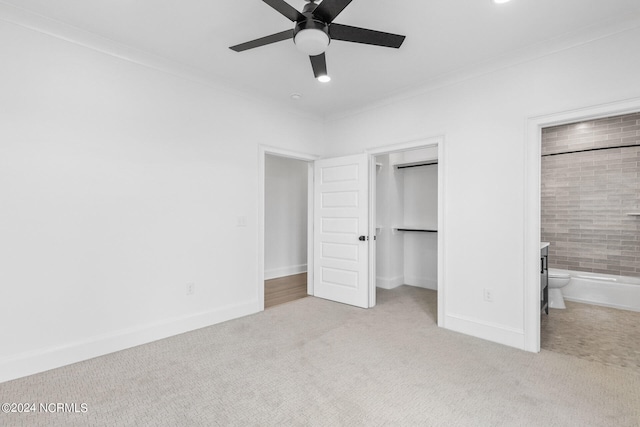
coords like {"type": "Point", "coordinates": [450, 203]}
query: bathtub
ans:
{"type": "Point", "coordinates": [603, 289]}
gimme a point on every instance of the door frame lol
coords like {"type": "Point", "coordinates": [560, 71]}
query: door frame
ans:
{"type": "Point", "coordinates": [263, 151]}
{"type": "Point", "coordinates": [532, 202]}
{"type": "Point", "coordinates": [426, 142]}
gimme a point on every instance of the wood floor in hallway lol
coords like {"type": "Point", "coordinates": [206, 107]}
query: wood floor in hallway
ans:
{"type": "Point", "coordinates": [284, 289]}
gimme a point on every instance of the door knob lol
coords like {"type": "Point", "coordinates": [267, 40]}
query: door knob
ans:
{"type": "Point", "coordinates": [362, 238]}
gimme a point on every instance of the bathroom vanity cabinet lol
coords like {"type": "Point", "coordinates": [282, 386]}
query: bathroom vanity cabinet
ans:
{"type": "Point", "coordinates": [544, 279]}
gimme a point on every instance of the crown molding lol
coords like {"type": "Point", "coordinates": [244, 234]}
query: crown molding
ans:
{"type": "Point", "coordinates": [35, 22]}
{"type": "Point", "coordinates": [533, 52]}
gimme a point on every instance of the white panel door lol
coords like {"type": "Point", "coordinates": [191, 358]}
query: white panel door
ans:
{"type": "Point", "coordinates": [341, 214]}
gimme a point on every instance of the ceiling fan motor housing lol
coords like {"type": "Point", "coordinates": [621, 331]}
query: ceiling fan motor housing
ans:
{"type": "Point", "coordinates": [311, 36]}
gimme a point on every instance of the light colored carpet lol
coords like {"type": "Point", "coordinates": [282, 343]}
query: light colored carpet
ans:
{"type": "Point", "coordinates": [315, 362]}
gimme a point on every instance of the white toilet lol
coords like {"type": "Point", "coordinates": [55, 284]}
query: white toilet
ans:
{"type": "Point", "coordinates": [557, 279]}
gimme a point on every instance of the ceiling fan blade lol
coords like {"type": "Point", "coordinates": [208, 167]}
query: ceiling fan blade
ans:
{"type": "Point", "coordinates": [285, 9]}
{"type": "Point", "coordinates": [273, 38]}
{"type": "Point", "coordinates": [319, 65]}
{"type": "Point", "coordinates": [329, 9]}
{"type": "Point", "coordinates": [348, 33]}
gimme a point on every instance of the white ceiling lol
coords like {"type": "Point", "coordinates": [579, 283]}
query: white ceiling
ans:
{"type": "Point", "coordinates": [443, 36]}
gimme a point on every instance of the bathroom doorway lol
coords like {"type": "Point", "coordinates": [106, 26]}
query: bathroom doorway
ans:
{"type": "Point", "coordinates": [532, 205]}
{"type": "Point", "coordinates": [590, 215]}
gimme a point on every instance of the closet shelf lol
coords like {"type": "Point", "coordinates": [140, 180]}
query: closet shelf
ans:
{"type": "Point", "coordinates": [416, 164]}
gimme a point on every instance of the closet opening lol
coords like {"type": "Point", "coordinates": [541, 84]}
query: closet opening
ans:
{"type": "Point", "coordinates": [406, 220]}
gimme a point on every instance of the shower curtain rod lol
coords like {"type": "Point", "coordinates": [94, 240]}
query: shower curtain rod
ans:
{"type": "Point", "coordinates": [590, 149]}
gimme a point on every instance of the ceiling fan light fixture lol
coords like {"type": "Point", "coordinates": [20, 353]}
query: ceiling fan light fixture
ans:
{"type": "Point", "coordinates": [311, 33]}
{"type": "Point", "coordinates": [311, 41]}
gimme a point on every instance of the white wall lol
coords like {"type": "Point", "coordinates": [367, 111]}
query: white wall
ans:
{"type": "Point", "coordinates": [483, 120]}
{"type": "Point", "coordinates": [406, 197]}
{"type": "Point", "coordinates": [119, 185]}
{"type": "Point", "coordinates": [421, 210]}
{"type": "Point", "coordinates": [286, 201]}
{"type": "Point", "coordinates": [389, 211]}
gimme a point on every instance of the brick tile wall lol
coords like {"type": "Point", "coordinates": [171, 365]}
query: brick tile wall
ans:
{"type": "Point", "coordinates": [586, 195]}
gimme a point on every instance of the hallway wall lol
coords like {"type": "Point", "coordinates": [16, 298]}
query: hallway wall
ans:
{"type": "Point", "coordinates": [285, 240]}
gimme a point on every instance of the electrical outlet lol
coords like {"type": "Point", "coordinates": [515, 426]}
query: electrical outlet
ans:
{"type": "Point", "coordinates": [488, 295]}
{"type": "Point", "coordinates": [191, 288]}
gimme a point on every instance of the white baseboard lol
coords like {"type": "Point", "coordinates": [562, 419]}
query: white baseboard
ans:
{"type": "Point", "coordinates": [421, 282]}
{"type": "Point", "coordinates": [389, 282]}
{"type": "Point", "coordinates": [488, 331]}
{"type": "Point", "coordinates": [45, 359]}
{"type": "Point", "coordinates": [274, 273]}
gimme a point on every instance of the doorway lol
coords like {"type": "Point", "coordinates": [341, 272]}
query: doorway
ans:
{"type": "Point", "coordinates": [322, 172]}
{"type": "Point", "coordinates": [589, 191]}
{"type": "Point", "coordinates": [285, 258]}
{"type": "Point", "coordinates": [407, 206]}
{"type": "Point", "coordinates": [532, 210]}
{"type": "Point", "coordinates": [406, 212]}
{"type": "Point", "coordinates": [285, 240]}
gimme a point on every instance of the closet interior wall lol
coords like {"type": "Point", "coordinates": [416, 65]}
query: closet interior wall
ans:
{"type": "Point", "coordinates": [407, 198]}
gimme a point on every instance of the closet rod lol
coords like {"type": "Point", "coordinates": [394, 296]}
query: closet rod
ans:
{"type": "Point", "coordinates": [415, 166]}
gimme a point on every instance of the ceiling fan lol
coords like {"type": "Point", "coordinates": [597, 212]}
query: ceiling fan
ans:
{"type": "Point", "coordinates": [314, 29]}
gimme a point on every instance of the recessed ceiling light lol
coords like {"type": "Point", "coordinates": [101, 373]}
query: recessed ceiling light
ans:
{"type": "Point", "coordinates": [501, 1]}
{"type": "Point", "coordinates": [295, 96]}
{"type": "Point", "coordinates": [324, 79]}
